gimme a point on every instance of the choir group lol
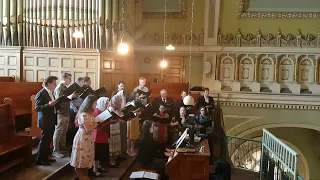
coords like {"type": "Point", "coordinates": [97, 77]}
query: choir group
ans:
{"type": "Point", "coordinates": [67, 113]}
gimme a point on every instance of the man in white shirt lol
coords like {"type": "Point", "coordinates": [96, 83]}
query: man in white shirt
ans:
{"type": "Point", "coordinates": [47, 119]}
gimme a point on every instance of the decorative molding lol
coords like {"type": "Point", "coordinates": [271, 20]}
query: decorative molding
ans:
{"type": "Point", "coordinates": [267, 100]}
{"type": "Point", "coordinates": [243, 13]}
{"type": "Point", "coordinates": [180, 15]}
{"type": "Point", "coordinates": [269, 40]}
{"type": "Point", "coordinates": [156, 39]}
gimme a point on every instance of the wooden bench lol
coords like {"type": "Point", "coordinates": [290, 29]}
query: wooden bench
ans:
{"type": "Point", "coordinates": [35, 131]}
{"type": "Point", "coordinates": [20, 93]}
{"type": "Point", "coordinates": [14, 149]}
{"type": "Point", "coordinates": [7, 78]}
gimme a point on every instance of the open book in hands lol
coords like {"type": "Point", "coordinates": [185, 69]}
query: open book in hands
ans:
{"type": "Point", "coordinates": [146, 94]}
{"type": "Point", "coordinates": [105, 115]}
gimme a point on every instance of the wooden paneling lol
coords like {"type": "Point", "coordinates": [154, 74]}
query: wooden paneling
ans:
{"type": "Point", "coordinates": [10, 62]}
{"type": "Point", "coordinates": [174, 73]}
{"type": "Point", "coordinates": [38, 63]}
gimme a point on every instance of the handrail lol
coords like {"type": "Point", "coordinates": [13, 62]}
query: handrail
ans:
{"type": "Point", "coordinates": [279, 151]}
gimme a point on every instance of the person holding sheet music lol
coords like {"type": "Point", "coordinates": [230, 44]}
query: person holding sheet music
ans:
{"type": "Point", "coordinates": [82, 156]}
{"type": "Point", "coordinates": [206, 100]}
{"type": "Point", "coordinates": [142, 86]}
{"type": "Point", "coordinates": [47, 119]}
{"type": "Point", "coordinates": [118, 135]}
{"type": "Point", "coordinates": [160, 128]}
{"type": "Point", "coordinates": [101, 136]}
{"type": "Point", "coordinates": [87, 84]}
{"type": "Point", "coordinates": [119, 88]}
{"type": "Point", "coordinates": [166, 100]}
{"type": "Point", "coordinates": [150, 151]}
{"type": "Point", "coordinates": [133, 128]}
{"type": "Point", "coordinates": [63, 115]}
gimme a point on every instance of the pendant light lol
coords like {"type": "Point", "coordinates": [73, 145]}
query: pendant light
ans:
{"type": "Point", "coordinates": [123, 48]}
{"type": "Point", "coordinates": [189, 100]}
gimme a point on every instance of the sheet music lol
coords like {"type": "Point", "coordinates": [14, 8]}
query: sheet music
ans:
{"type": "Point", "coordinates": [181, 139]}
{"type": "Point", "coordinates": [150, 175]}
{"type": "Point", "coordinates": [103, 116]}
{"type": "Point", "coordinates": [138, 174]}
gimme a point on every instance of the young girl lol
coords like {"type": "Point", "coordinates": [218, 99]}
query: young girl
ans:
{"type": "Point", "coordinates": [150, 149]}
{"type": "Point", "coordinates": [82, 155]}
{"type": "Point", "coordinates": [101, 136]}
{"type": "Point", "coordinates": [133, 128]}
{"type": "Point", "coordinates": [160, 131]}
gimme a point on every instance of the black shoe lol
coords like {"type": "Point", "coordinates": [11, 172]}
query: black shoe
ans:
{"type": "Point", "coordinates": [113, 166]}
{"type": "Point", "coordinates": [97, 174]}
{"type": "Point", "coordinates": [43, 163]}
{"type": "Point", "coordinates": [103, 170]}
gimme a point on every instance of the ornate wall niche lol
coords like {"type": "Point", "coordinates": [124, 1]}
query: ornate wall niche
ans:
{"type": "Point", "coordinates": [286, 70]}
{"type": "Point", "coordinates": [244, 12]}
{"type": "Point", "coordinates": [246, 70]}
{"type": "Point", "coordinates": [266, 69]}
{"type": "Point", "coordinates": [306, 70]}
{"type": "Point", "coordinates": [173, 12]}
{"type": "Point", "coordinates": [227, 70]}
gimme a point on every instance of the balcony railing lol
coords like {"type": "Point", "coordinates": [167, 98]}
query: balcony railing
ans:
{"type": "Point", "coordinates": [278, 158]}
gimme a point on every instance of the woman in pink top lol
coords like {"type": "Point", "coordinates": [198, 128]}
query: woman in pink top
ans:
{"type": "Point", "coordinates": [101, 136]}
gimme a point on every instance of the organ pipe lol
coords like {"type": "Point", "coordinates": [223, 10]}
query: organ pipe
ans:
{"type": "Point", "coordinates": [54, 23]}
{"type": "Point", "coordinates": [51, 23]}
{"type": "Point", "coordinates": [43, 23]}
{"type": "Point", "coordinates": [66, 23]}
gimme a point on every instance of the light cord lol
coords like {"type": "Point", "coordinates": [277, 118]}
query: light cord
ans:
{"type": "Point", "coordinates": [122, 21]}
{"type": "Point", "coordinates": [164, 28]}
{"type": "Point", "coordinates": [191, 38]}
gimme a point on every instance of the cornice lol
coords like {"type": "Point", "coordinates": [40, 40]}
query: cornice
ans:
{"type": "Point", "coordinates": [268, 100]}
{"type": "Point", "coordinates": [50, 50]}
{"type": "Point", "coordinates": [243, 13]}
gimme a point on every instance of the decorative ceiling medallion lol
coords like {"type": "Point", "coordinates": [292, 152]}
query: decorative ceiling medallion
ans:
{"type": "Point", "coordinates": [243, 13]}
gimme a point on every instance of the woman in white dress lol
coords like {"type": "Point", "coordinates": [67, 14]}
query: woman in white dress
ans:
{"type": "Point", "coordinates": [82, 156]}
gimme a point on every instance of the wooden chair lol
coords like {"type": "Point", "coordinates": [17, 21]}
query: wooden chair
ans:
{"type": "Point", "coordinates": [35, 131]}
{"type": "Point", "coordinates": [14, 149]}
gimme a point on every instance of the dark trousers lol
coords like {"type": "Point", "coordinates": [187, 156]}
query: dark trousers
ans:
{"type": "Point", "coordinates": [44, 144]}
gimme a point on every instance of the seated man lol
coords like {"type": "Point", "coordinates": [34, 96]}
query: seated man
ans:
{"type": "Point", "coordinates": [164, 99]}
{"type": "Point", "coordinates": [206, 101]}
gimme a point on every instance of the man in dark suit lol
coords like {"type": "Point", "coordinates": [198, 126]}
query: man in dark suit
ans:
{"type": "Point", "coordinates": [47, 119]}
{"type": "Point", "coordinates": [164, 99]}
{"type": "Point", "coordinates": [206, 100]}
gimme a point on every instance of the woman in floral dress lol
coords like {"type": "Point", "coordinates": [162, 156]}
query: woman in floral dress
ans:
{"type": "Point", "coordinates": [82, 156]}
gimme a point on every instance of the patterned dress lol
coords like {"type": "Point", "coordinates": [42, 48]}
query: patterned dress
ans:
{"type": "Point", "coordinates": [82, 155]}
{"type": "Point", "coordinates": [133, 129]}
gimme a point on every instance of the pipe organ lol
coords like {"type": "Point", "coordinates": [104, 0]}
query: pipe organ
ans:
{"type": "Point", "coordinates": [51, 23]}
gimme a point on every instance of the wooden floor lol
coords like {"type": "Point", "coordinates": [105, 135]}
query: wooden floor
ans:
{"type": "Point", "coordinates": [34, 172]}
{"type": "Point", "coordinates": [113, 174]}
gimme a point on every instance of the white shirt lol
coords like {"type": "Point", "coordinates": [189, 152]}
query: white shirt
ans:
{"type": "Point", "coordinates": [206, 99]}
{"type": "Point", "coordinates": [164, 100]}
{"type": "Point", "coordinates": [51, 96]}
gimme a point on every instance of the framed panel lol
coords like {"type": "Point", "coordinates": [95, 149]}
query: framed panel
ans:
{"type": "Point", "coordinates": [244, 10]}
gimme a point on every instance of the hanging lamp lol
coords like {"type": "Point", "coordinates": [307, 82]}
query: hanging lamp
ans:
{"type": "Point", "coordinates": [123, 47]}
{"type": "Point", "coordinates": [189, 100]}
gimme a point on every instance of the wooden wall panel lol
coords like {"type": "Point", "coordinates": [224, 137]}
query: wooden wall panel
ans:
{"type": "Point", "coordinates": [38, 63]}
{"type": "Point", "coordinates": [10, 62]}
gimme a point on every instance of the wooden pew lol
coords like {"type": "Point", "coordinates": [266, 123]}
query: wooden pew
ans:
{"type": "Point", "coordinates": [20, 93]}
{"type": "Point", "coordinates": [14, 149]}
{"type": "Point", "coordinates": [35, 131]}
{"type": "Point", "coordinates": [7, 78]}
